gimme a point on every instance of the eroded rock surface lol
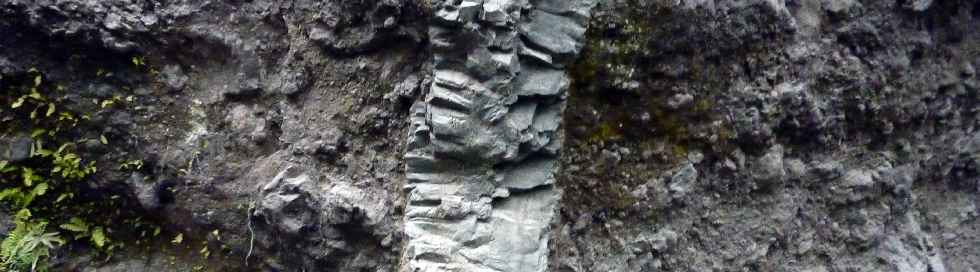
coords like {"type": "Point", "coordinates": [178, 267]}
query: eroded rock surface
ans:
{"type": "Point", "coordinates": [389, 135]}
{"type": "Point", "coordinates": [773, 136]}
{"type": "Point", "coordinates": [484, 143]}
{"type": "Point", "coordinates": [215, 98]}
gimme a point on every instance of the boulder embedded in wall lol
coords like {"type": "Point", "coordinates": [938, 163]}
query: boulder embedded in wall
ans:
{"type": "Point", "coordinates": [15, 149]}
{"type": "Point", "coordinates": [682, 182]}
{"type": "Point", "coordinates": [768, 169]}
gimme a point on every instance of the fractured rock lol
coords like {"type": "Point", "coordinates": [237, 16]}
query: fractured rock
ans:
{"type": "Point", "coordinates": [494, 101]}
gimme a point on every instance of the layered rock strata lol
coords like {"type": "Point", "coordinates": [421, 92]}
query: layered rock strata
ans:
{"type": "Point", "coordinates": [484, 142]}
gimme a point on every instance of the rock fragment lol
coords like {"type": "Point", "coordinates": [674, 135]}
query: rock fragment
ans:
{"type": "Point", "coordinates": [768, 169]}
{"type": "Point", "coordinates": [681, 183]}
{"type": "Point", "coordinates": [174, 77]}
{"type": "Point", "coordinates": [15, 149]}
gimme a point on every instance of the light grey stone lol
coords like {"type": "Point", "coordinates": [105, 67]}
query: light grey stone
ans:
{"type": "Point", "coordinates": [855, 185]}
{"type": "Point", "coordinates": [918, 5]}
{"type": "Point", "coordinates": [769, 168]}
{"type": "Point", "coordinates": [560, 36]}
{"type": "Point", "coordinates": [680, 100]}
{"type": "Point", "coordinates": [545, 82]}
{"type": "Point", "coordinates": [681, 183]}
{"type": "Point", "coordinates": [499, 105]}
{"type": "Point", "coordinates": [15, 149]}
{"type": "Point", "coordinates": [529, 175]}
{"type": "Point", "coordinates": [663, 239]}
{"type": "Point", "coordinates": [837, 6]}
{"type": "Point", "coordinates": [174, 77]}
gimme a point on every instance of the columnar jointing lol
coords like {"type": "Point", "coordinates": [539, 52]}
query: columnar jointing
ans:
{"type": "Point", "coordinates": [483, 144]}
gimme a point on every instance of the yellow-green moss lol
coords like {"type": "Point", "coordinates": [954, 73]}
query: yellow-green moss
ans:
{"type": "Point", "coordinates": [624, 56]}
{"type": "Point", "coordinates": [605, 132]}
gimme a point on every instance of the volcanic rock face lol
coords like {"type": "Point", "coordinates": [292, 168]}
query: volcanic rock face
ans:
{"type": "Point", "coordinates": [767, 135]}
{"type": "Point", "coordinates": [484, 142]}
{"type": "Point", "coordinates": [508, 135]}
{"type": "Point", "coordinates": [213, 99]}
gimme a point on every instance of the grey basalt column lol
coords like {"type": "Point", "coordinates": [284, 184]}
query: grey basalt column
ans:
{"type": "Point", "coordinates": [484, 142]}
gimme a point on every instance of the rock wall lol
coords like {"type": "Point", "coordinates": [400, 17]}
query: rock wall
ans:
{"type": "Point", "coordinates": [511, 135]}
{"type": "Point", "coordinates": [773, 136]}
{"type": "Point", "coordinates": [483, 145]}
{"type": "Point", "coordinates": [270, 132]}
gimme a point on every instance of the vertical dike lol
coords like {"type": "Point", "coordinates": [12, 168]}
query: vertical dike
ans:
{"type": "Point", "coordinates": [483, 144]}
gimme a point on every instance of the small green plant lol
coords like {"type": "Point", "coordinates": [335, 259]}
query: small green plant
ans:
{"type": "Point", "coordinates": [44, 186]}
{"type": "Point", "coordinates": [134, 165]}
{"type": "Point", "coordinates": [27, 247]}
{"type": "Point", "coordinates": [82, 230]}
{"type": "Point", "coordinates": [138, 61]}
{"type": "Point", "coordinates": [69, 165]}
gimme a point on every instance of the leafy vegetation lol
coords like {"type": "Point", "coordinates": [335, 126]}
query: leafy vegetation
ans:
{"type": "Point", "coordinates": [45, 189]}
{"type": "Point", "coordinates": [27, 247]}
